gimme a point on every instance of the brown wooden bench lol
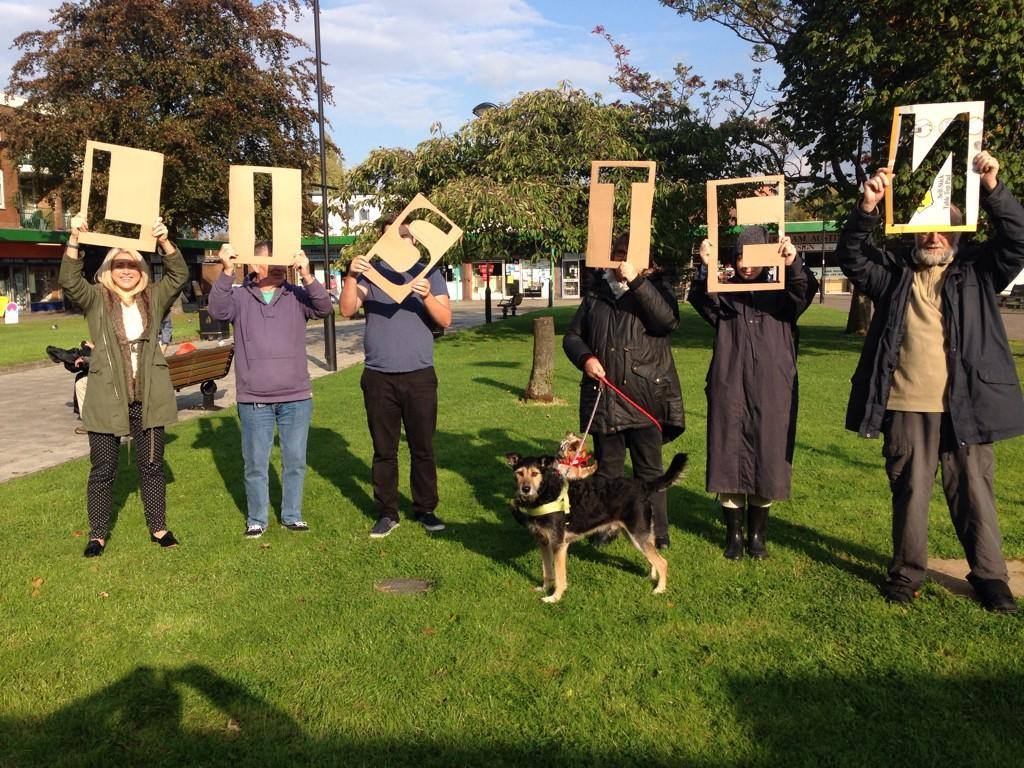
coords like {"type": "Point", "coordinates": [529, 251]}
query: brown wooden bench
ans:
{"type": "Point", "coordinates": [202, 367]}
{"type": "Point", "coordinates": [510, 304]}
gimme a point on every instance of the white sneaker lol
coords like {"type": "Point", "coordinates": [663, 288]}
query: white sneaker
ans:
{"type": "Point", "coordinates": [254, 531]}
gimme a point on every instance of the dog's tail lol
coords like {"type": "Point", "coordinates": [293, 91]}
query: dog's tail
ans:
{"type": "Point", "coordinates": [675, 469]}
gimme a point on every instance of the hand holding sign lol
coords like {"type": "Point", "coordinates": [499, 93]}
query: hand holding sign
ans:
{"type": "Point", "coordinates": [988, 167]}
{"type": "Point", "coordinates": [874, 189]}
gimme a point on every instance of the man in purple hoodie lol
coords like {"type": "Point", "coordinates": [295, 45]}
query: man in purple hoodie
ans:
{"type": "Point", "coordinates": [271, 378]}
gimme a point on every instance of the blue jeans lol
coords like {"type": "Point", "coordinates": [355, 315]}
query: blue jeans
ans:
{"type": "Point", "coordinates": [258, 420]}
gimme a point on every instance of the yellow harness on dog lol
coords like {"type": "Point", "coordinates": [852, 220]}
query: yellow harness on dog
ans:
{"type": "Point", "coordinates": [561, 504]}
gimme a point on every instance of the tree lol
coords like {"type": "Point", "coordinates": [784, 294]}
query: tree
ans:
{"type": "Point", "coordinates": [696, 132]}
{"type": "Point", "coordinates": [847, 63]}
{"type": "Point", "coordinates": [540, 387]}
{"type": "Point", "coordinates": [515, 179]}
{"type": "Point", "coordinates": [208, 83]}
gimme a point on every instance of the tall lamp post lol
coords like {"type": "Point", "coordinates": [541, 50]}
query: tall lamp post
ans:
{"type": "Point", "coordinates": [330, 342]}
{"type": "Point", "coordinates": [478, 111]}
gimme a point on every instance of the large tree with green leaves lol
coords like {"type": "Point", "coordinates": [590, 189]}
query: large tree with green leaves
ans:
{"type": "Point", "coordinates": [515, 179]}
{"type": "Point", "coordinates": [208, 83]}
{"type": "Point", "coordinates": [847, 63]}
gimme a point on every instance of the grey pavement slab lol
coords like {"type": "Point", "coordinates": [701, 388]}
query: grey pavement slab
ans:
{"type": "Point", "coordinates": [37, 430]}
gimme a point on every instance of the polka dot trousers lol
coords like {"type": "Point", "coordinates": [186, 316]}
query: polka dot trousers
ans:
{"type": "Point", "coordinates": [104, 449]}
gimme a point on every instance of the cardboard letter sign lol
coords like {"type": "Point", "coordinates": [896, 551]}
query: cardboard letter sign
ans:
{"type": "Point", "coordinates": [602, 213]}
{"type": "Point", "coordinates": [133, 194]}
{"type": "Point", "coordinates": [930, 123]}
{"type": "Point", "coordinates": [401, 255]}
{"type": "Point", "coordinates": [750, 211]}
{"type": "Point", "coordinates": [286, 200]}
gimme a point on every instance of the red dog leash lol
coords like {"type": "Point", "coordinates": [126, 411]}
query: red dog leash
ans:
{"type": "Point", "coordinates": [632, 402]}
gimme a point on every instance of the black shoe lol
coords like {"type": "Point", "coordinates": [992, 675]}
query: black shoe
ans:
{"type": "Point", "coordinates": [167, 540]}
{"type": "Point", "coordinates": [994, 595]}
{"type": "Point", "coordinates": [899, 592]}
{"type": "Point", "coordinates": [254, 531]}
{"type": "Point", "coordinates": [733, 519]}
{"type": "Point", "coordinates": [94, 548]}
{"type": "Point", "coordinates": [661, 542]}
{"type": "Point", "coordinates": [430, 522]}
{"type": "Point", "coordinates": [383, 527]}
{"type": "Point", "coordinates": [757, 518]}
{"type": "Point", "coordinates": [298, 525]}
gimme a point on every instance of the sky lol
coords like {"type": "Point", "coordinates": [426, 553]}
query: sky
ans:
{"type": "Point", "coordinates": [400, 66]}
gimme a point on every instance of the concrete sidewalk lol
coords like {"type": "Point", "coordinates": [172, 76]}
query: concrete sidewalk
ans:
{"type": "Point", "coordinates": [37, 430]}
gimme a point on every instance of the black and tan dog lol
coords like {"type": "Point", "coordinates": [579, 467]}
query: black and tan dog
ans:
{"type": "Point", "coordinates": [559, 511]}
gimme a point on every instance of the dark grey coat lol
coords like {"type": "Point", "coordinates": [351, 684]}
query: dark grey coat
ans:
{"type": "Point", "coordinates": [752, 383]}
{"type": "Point", "coordinates": [630, 336]}
{"type": "Point", "coordinates": [985, 402]}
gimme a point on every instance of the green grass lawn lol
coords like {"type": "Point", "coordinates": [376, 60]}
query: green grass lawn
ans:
{"type": "Point", "coordinates": [26, 342]}
{"type": "Point", "coordinates": [280, 652]}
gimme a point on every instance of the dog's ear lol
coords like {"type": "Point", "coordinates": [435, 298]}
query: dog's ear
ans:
{"type": "Point", "coordinates": [511, 459]}
{"type": "Point", "coordinates": [548, 461]}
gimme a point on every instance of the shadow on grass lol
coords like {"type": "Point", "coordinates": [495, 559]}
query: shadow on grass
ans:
{"type": "Point", "coordinates": [222, 436]}
{"type": "Point", "coordinates": [517, 392]}
{"type": "Point", "coordinates": [330, 456]}
{"type": "Point", "coordinates": [700, 515]}
{"type": "Point", "coordinates": [795, 721]}
{"type": "Point", "coordinates": [845, 721]}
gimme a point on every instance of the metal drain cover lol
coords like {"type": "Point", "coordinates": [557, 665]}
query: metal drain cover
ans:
{"type": "Point", "coordinates": [403, 586]}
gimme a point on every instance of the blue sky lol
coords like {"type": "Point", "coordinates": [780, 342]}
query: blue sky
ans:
{"type": "Point", "coordinates": [399, 66]}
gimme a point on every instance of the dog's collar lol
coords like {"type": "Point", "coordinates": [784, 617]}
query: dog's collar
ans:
{"type": "Point", "coordinates": [561, 504]}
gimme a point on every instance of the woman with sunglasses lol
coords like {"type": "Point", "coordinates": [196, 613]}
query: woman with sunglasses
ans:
{"type": "Point", "coordinates": [130, 389]}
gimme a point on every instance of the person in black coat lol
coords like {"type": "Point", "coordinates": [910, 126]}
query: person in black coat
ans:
{"type": "Point", "coordinates": [936, 378]}
{"type": "Point", "coordinates": [621, 332]}
{"type": "Point", "coordinates": [752, 389]}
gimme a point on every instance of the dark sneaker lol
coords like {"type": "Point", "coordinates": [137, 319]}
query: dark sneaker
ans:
{"type": "Point", "coordinates": [431, 522]}
{"type": "Point", "coordinates": [898, 592]}
{"type": "Point", "coordinates": [383, 527]}
{"type": "Point", "coordinates": [94, 548]}
{"type": "Point", "coordinates": [994, 595]}
{"type": "Point", "coordinates": [254, 531]}
{"type": "Point", "coordinates": [298, 525]}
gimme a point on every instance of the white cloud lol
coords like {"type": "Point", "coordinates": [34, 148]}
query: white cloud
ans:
{"type": "Point", "coordinates": [18, 18]}
{"type": "Point", "coordinates": [408, 64]}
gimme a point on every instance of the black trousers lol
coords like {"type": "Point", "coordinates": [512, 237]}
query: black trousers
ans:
{"type": "Point", "coordinates": [915, 444]}
{"type": "Point", "coordinates": [104, 451]}
{"type": "Point", "coordinates": [394, 400]}
{"type": "Point", "coordinates": [644, 446]}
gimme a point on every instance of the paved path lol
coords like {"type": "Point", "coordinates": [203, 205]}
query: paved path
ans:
{"type": "Point", "coordinates": [37, 425]}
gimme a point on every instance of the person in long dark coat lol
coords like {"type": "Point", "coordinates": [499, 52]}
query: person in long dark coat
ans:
{"type": "Point", "coordinates": [621, 332]}
{"type": "Point", "coordinates": [752, 390]}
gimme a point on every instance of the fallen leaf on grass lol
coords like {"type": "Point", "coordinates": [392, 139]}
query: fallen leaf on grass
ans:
{"type": "Point", "coordinates": [233, 726]}
{"type": "Point", "coordinates": [429, 631]}
{"type": "Point", "coordinates": [104, 594]}
{"type": "Point", "coordinates": [38, 581]}
{"type": "Point", "coordinates": [264, 545]}
{"type": "Point", "coordinates": [77, 534]}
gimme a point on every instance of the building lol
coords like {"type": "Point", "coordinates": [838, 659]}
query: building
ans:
{"type": "Point", "coordinates": [29, 254]}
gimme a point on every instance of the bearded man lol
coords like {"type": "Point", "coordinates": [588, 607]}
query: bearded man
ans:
{"type": "Point", "coordinates": [936, 378]}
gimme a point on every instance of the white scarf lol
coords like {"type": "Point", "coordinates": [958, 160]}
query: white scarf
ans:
{"type": "Point", "coordinates": [619, 287]}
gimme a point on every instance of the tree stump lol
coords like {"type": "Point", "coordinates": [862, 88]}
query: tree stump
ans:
{"type": "Point", "coordinates": [540, 387]}
{"type": "Point", "coordinates": [860, 314]}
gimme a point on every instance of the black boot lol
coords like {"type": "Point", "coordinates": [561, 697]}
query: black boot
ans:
{"type": "Point", "coordinates": [757, 517]}
{"type": "Point", "coordinates": [733, 519]}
